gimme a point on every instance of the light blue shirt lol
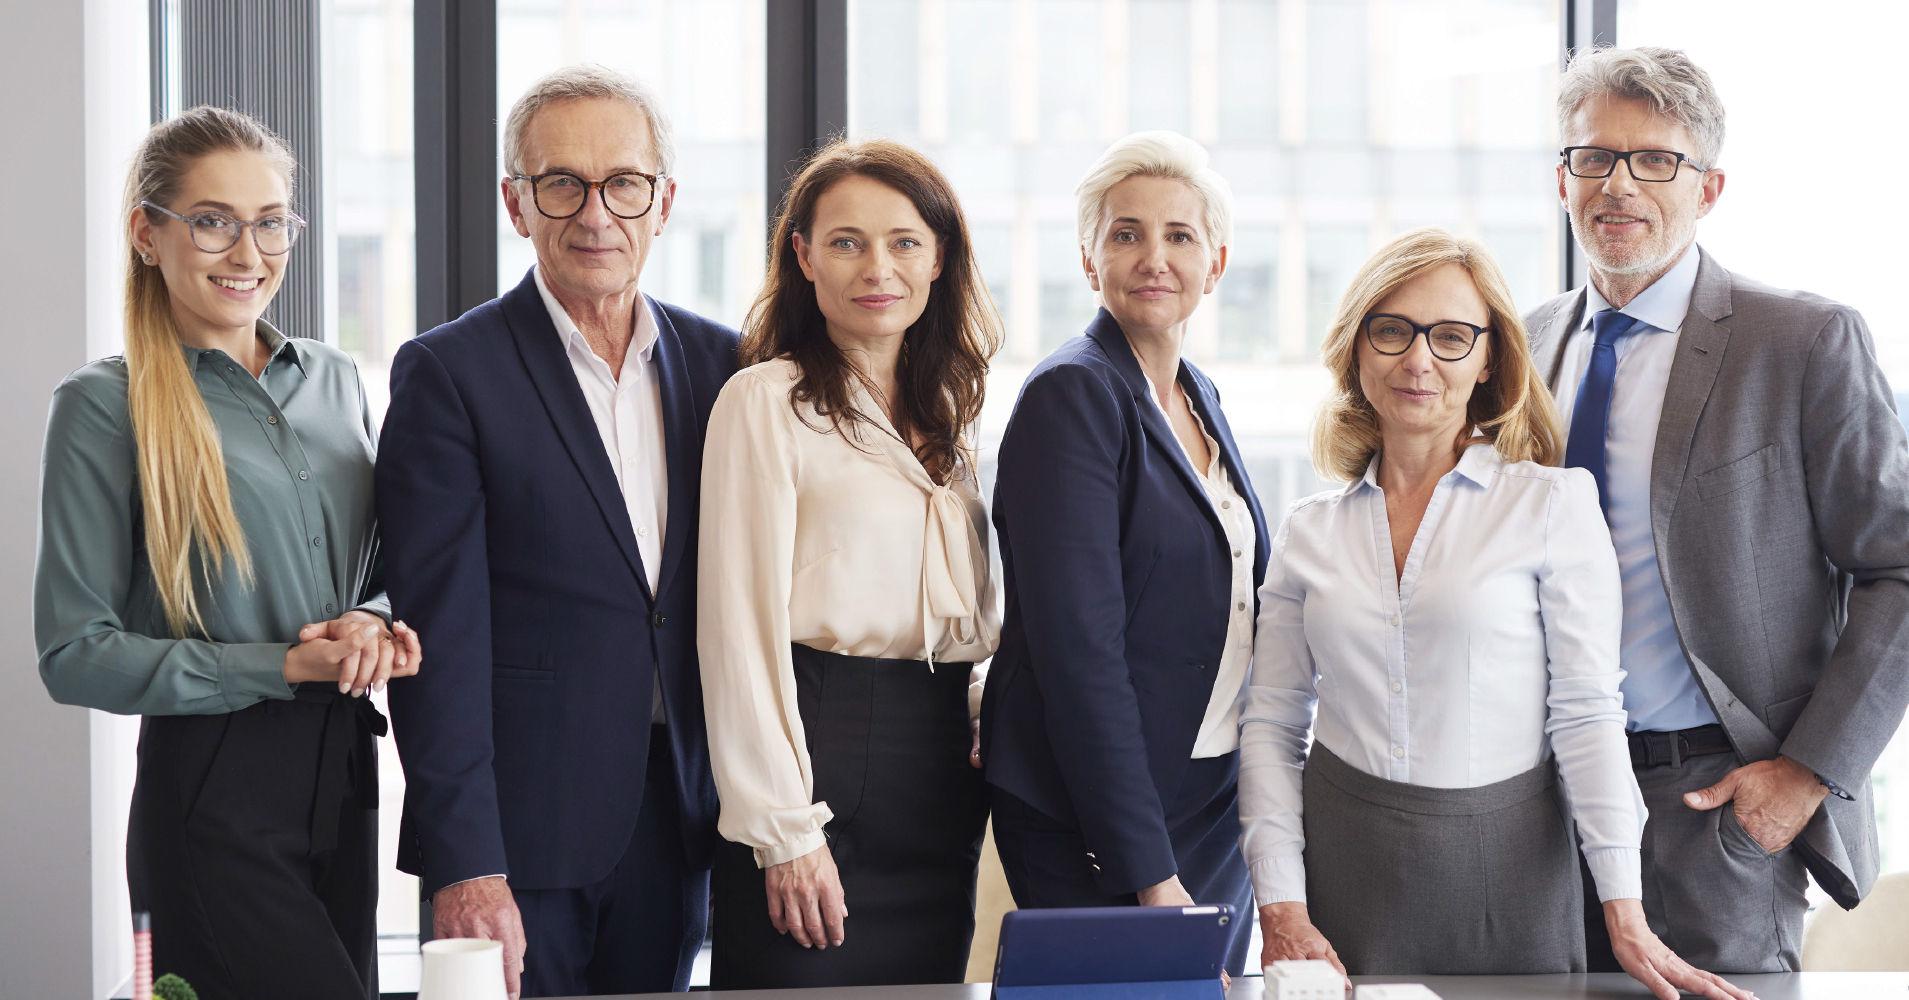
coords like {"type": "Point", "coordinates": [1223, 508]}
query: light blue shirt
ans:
{"type": "Point", "coordinates": [1660, 692]}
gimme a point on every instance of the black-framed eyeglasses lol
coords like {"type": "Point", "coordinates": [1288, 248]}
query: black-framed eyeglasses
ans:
{"type": "Point", "coordinates": [217, 232]}
{"type": "Point", "coordinates": [560, 194]}
{"type": "Point", "coordinates": [1450, 340]}
{"type": "Point", "coordinates": [1653, 165]}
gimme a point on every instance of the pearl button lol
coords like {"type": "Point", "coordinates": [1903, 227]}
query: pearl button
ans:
{"type": "Point", "coordinates": [645, 532]}
{"type": "Point", "coordinates": [1236, 553]}
{"type": "Point", "coordinates": [1226, 504]}
{"type": "Point", "coordinates": [1396, 686]}
{"type": "Point", "coordinates": [1398, 751]}
{"type": "Point", "coordinates": [1394, 620]}
{"type": "Point", "coordinates": [271, 420]}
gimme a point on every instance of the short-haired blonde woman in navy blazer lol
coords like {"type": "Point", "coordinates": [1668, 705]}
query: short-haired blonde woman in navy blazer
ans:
{"type": "Point", "coordinates": [1131, 544]}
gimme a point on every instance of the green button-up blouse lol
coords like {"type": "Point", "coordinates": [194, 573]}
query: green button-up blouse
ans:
{"type": "Point", "coordinates": [298, 444]}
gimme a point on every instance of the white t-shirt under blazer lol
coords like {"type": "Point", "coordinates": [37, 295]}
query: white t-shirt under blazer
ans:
{"type": "Point", "coordinates": [846, 546]}
{"type": "Point", "coordinates": [1495, 650]}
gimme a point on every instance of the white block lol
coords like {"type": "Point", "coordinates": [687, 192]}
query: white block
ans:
{"type": "Point", "coordinates": [1394, 991]}
{"type": "Point", "coordinates": [1308, 980]}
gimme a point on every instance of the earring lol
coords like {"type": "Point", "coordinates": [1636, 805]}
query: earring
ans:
{"type": "Point", "coordinates": [146, 258]}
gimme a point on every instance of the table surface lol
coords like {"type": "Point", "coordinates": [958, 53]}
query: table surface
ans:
{"type": "Point", "coordinates": [1593, 986]}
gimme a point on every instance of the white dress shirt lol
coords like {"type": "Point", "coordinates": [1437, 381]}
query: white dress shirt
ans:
{"type": "Point", "coordinates": [628, 410]}
{"type": "Point", "coordinates": [1219, 728]}
{"type": "Point", "coordinates": [1660, 693]}
{"type": "Point", "coordinates": [1495, 650]}
{"type": "Point", "coordinates": [846, 546]}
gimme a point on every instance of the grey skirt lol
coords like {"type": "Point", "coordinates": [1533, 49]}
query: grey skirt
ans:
{"type": "Point", "coordinates": [1442, 881]}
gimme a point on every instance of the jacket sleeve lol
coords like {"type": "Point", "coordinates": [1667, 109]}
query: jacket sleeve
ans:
{"type": "Point", "coordinates": [431, 510]}
{"type": "Point", "coordinates": [1058, 498]}
{"type": "Point", "coordinates": [88, 553]}
{"type": "Point", "coordinates": [1856, 468]}
{"type": "Point", "coordinates": [375, 600]}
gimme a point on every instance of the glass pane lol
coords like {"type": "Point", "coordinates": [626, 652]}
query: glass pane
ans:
{"type": "Point", "coordinates": [704, 60]}
{"type": "Point", "coordinates": [366, 92]}
{"type": "Point", "coordinates": [1844, 243]}
{"type": "Point", "coordinates": [1335, 129]}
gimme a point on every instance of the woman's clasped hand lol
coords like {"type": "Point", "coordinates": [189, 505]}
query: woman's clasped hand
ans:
{"type": "Point", "coordinates": [357, 650]}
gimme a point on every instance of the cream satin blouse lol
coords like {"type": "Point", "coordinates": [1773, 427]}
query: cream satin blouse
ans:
{"type": "Point", "coordinates": [845, 546]}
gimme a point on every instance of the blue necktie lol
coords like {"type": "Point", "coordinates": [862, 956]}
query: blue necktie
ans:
{"type": "Point", "coordinates": [1591, 416]}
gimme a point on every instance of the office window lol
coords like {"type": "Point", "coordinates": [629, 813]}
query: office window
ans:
{"type": "Point", "coordinates": [1334, 125]}
{"type": "Point", "coordinates": [1827, 234]}
{"type": "Point", "coordinates": [705, 62]}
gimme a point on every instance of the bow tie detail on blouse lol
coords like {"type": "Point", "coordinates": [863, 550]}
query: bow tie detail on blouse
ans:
{"type": "Point", "coordinates": [951, 546]}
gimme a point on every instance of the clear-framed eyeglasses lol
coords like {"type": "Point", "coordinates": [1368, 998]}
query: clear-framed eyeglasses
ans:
{"type": "Point", "coordinates": [216, 232]}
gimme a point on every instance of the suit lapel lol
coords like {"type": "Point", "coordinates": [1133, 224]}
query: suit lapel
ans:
{"type": "Point", "coordinates": [1113, 343]}
{"type": "Point", "coordinates": [1700, 348]}
{"type": "Point", "coordinates": [682, 445]}
{"type": "Point", "coordinates": [1547, 351]}
{"type": "Point", "coordinates": [556, 383]}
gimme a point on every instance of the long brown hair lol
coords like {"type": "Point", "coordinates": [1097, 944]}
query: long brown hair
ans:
{"type": "Point", "coordinates": [941, 375]}
{"type": "Point", "coordinates": [1512, 409]}
{"type": "Point", "coordinates": [182, 481]}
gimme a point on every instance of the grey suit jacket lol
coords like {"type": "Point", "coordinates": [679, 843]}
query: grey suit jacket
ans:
{"type": "Point", "coordinates": [1780, 512]}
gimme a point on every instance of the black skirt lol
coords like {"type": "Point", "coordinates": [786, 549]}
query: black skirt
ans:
{"type": "Point", "coordinates": [888, 743]}
{"type": "Point", "coordinates": [253, 843]}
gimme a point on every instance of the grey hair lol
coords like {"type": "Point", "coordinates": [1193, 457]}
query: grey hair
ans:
{"type": "Point", "coordinates": [1667, 78]}
{"type": "Point", "coordinates": [1154, 154]}
{"type": "Point", "coordinates": [586, 80]}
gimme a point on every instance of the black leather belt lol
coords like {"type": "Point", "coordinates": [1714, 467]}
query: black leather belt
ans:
{"type": "Point", "coordinates": [1656, 749]}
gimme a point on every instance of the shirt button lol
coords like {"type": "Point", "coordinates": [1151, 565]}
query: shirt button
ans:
{"type": "Point", "coordinates": [645, 532]}
{"type": "Point", "coordinates": [1394, 620]}
{"type": "Point", "coordinates": [1236, 553]}
{"type": "Point", "coordinates": [1226, 503]}
{"type": "Point", "coordinates": [1398, 751]}
{"type": "Point", "coordinates": [317, 541]}
{"type": "Point", "coordinates": [271, 420]}
{"type": "Point", "coordinates": [1242, 605]}
{"type": "Point", "coordinates": [302, 475]}
{"type": "Point", "coordinates": [328, 609]}
{"type": "Point", "coordinates": [1397, 687]}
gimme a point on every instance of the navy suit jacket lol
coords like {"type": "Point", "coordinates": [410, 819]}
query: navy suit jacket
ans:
{"type": "Point", "coordinates": [1118, 580]}
{"type": "Point", "coordinates": [507, 545]}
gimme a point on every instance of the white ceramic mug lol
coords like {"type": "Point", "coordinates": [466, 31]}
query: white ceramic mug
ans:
{"type": "Point", "coordinates": [462, 969]}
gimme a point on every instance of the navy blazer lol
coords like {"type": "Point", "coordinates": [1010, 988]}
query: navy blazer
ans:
{"type": "Point", "coordinates": [1118, 580]}
{"type": "Point", "coordinates": [507, 545]}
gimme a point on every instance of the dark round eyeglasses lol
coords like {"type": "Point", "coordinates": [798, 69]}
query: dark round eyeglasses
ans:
{"type": "Point", "coordinates": [559, 194]}
{"type": "Point", "coordinates": [1450, 340]}
{"type": "Point", "coordinates": [1654, 165]}
{"type": "Point", "coordinates": [217, 232]}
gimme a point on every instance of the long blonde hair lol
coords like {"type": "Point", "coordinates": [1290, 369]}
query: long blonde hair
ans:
{"type": "Point", "coordinates": [1512, 409]}
{"type": "Point", "coordinates": [182, 481]}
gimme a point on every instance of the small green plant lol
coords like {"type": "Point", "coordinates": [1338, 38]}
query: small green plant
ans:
{"type": "Point", "coordinates": [171, 987]}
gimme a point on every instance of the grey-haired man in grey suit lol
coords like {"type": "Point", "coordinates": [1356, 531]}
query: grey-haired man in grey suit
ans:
{"type": "Point", "coordinates": [1756, 481]}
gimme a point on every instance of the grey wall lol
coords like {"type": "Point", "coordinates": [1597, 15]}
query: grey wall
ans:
{"type": "Point", "coordinates": [45, 847]}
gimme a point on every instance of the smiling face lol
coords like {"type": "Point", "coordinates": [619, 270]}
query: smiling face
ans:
{"type": "Point", "coordinates": [218, 291]}
{"type": "Point", "coordinates": [873, 261]}
{"type": "Point", "coordinates": [1416, 393]}
{"type": "Point", "coordinates": [1628, 226]}
{"type": "Point", "coordinates": [1152, 260]}
{"type": "Point", "coordinates": [591, 255]}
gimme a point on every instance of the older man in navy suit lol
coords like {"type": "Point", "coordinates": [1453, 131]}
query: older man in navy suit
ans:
{"type": "Point", "coordinates": [537, 486]}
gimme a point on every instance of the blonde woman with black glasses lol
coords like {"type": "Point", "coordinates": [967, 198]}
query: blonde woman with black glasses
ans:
{"type": "Point", "coordinates": [1443, 631]}
{"type": "Point", "coordinates": [208, 559]}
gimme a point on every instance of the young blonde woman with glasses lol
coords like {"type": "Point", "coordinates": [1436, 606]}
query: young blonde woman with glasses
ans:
{"type": "Point", "coordinates": [208, 559]}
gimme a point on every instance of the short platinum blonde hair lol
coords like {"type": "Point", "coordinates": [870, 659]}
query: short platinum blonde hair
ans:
{"type": "Point", "coordinates": [1512, 409]}
{"type": "Point", "coordinates": [1666, 78]}
{"type": "Point", "coordinates": [586, 80]}
{"type": "Point", "coordinates": [1155, 154]}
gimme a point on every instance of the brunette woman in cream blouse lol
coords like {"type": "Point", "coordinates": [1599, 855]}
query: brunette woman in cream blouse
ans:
{"type": "Point", "coordinates": [844, 597]}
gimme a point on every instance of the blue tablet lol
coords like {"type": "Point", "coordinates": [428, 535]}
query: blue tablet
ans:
{"type": "Point", "coordinates": [1113, 953]}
